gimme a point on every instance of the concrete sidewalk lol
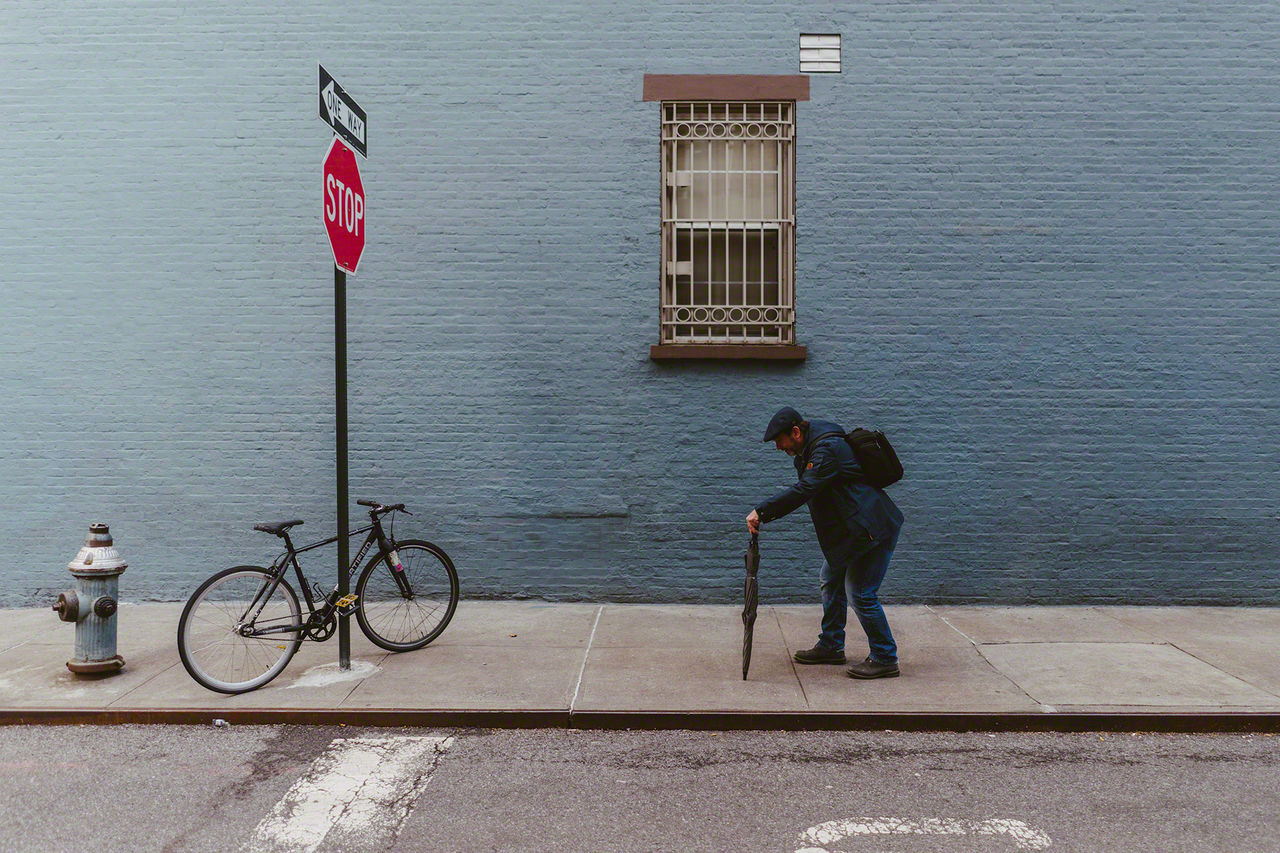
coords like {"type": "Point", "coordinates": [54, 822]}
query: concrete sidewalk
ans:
{"type": "Point", "coordinates": [637, 666]}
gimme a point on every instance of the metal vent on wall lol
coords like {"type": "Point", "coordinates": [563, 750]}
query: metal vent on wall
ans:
{"type": "Point", "coordinates": [819, 53]}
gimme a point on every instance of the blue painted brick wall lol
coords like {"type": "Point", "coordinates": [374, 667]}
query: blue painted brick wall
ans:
{"type": "Point", "coordinates": [1039, 245]}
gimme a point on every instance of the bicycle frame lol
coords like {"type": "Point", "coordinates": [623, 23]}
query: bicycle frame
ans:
{"type": "Point", "coordinates": [280, 567]}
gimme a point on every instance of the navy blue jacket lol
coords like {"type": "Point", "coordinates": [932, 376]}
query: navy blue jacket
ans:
{"type": "Point", "coordinates": [848, 514]}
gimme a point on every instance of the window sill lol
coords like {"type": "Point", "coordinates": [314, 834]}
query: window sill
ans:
{"type": "Point", "coordinates": [753, 352]}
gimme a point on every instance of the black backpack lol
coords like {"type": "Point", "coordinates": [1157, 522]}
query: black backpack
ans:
{"type": "Point", "coordinates": [875, 455]}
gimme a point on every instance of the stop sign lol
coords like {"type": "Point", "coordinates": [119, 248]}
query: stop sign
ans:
{"type": "Point", "coordinates": [343, 206]}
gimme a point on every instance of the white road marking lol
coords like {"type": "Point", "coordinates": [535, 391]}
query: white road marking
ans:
{"type": "Point", "coordinates": [356, 795]}
{"type": "Point", "coordinates": [818, 839]}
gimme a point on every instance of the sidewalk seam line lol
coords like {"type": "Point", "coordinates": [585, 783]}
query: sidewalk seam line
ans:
{"type": "Point", "coordinates": [978, 648]}
{"type": "Point", "coordinates": [1041, 704]}
{"type": "Point", "coordinates": [1217, 668]}
{"type": "Point", "coordinates": [573, 703]}
{"type": "Point", "coordinates": [947, 622]}
{"type": "Point", "coordinates": [343, 701]}
{"type": "Point", "coordinates": [141, 684]}
{"type": "Point", "coordinates": [803, 693]}
{"type": "Point", "coordinates": [1107, 614]}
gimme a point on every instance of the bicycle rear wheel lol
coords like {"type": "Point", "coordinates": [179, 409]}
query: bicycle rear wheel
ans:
{"type": "Point", "coordinates": [211, 631]}
{"type": "Point", "coordinates": [399, 622]}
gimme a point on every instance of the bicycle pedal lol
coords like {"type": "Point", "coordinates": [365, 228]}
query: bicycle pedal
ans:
{"type": "Point", "coordinates": [347, 602]}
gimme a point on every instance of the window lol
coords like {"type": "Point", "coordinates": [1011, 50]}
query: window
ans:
{"type": "Point", "coordinates": [728, 227]}
{"type": "Point", "coordinates": [727, 268]}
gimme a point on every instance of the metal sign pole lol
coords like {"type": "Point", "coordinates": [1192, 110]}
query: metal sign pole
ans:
{"type": "Point", "coordinates": [344, 544]}
{"type": "Point", "coordinates": [344, 204]}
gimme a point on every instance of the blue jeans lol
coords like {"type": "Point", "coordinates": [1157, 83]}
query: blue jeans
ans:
{"type": "Point", "coordinates": [858, 584]}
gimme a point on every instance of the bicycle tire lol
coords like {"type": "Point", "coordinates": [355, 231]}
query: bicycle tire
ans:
{"type": "Point", "coordinates": [433, 579]}
{"type": "Point", "coordinates": [194, 638]}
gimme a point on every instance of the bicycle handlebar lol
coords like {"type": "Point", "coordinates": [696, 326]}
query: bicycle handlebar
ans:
{"type": "Point", "coordinates": [383, 508]}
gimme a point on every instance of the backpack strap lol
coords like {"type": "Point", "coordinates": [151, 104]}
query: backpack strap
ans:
{"type": "Point", "coordinates": [814, 443]}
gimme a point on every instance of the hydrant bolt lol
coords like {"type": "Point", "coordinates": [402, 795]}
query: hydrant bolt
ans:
{"type": "Point", "coordinates": [104, 606]}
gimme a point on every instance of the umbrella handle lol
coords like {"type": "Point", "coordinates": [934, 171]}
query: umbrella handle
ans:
{"type": "Point", "coordinates": [755, 540]}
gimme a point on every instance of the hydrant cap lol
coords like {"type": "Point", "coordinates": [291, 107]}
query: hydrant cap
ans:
{"type": "Point", "coordinates": [99, 555]}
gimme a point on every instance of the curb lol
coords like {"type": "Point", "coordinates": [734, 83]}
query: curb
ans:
{"type": "Point", "coordinates": [1182, 722]}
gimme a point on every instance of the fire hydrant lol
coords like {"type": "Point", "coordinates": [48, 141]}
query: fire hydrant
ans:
{"type": "Point", "coordinates": [92, 604]}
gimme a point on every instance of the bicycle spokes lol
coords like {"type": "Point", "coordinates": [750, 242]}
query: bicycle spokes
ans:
{"type": "Point", "coordinates": [408, 608]}
{"type": "Point", "coordinates": [225, 652]}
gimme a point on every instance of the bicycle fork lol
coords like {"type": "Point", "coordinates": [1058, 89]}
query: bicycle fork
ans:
{"type": "Point", "coordinates": [390, 557]}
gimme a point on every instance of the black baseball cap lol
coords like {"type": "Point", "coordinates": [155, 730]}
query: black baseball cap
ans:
{"type": "Point", "coordinates": [783, 421]}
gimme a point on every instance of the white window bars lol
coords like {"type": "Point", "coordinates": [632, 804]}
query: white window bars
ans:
{"type": "Point", "coordinates": [728, 222]}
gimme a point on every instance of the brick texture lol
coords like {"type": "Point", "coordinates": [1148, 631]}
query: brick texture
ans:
{"type": "Point", "coordinates": [1039, 245]}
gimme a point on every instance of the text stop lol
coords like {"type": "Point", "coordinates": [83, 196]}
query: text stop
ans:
{"type": "Point", "coordinates": [344, 206]}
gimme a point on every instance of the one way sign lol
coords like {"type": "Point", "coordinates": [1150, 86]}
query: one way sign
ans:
{"type": "Point", "coordinates": [340, 111]}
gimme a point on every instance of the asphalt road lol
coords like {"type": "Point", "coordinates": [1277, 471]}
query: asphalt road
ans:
{"type": "Point", "coordinates": [296, 788]}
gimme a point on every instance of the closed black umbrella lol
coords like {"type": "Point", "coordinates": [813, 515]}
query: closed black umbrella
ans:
{"type": "Point", "coordinates": [750, 599]}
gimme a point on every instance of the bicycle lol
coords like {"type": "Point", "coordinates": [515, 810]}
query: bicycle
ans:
{"type": "Point", "coordinates": [242, 626]}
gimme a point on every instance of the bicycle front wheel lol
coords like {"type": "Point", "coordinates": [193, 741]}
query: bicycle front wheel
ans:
{"type": "Point", "coordinates": [401, 619]}
{"type": "Point", "coordinates": [223, 645]}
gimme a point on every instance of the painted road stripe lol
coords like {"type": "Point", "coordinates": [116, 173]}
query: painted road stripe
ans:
{"type": "Point", "coordinates": [818, 839]}
{"type": "Point", "coordinates": [355, 796]}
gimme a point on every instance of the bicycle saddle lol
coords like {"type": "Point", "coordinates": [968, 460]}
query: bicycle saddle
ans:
{"type": "Point", "coordinates": [277, 527]}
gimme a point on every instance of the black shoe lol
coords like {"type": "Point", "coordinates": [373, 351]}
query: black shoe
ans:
{"type": "Point", "coordinates": [870, 669]}
{"type": "Point", "coordinates": [820, 654]}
